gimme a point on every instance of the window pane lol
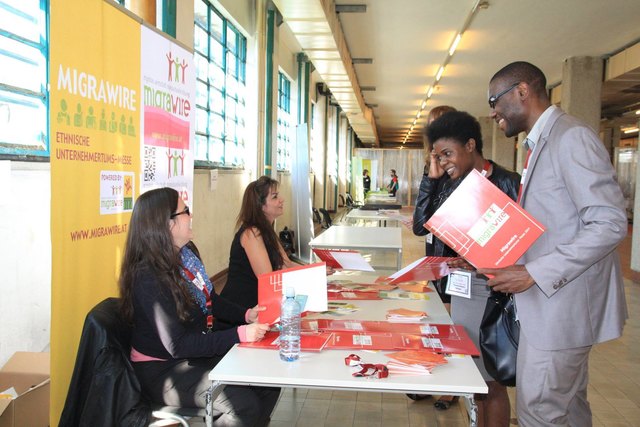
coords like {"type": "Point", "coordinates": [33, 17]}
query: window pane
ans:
{"type": "Point", "coordinates": [202, 120]}
{"type": "Point", "coordinates": [23, 18]}
{"type": "Point", "coordinates": [202, 94]}
{"type": "Point", "coordinates": [215, 26]}
{"type": "Point", "coordinates": [217, 52]}
{"type": "Point", "coordinates": [216, 76]}
{"type": "Point", "coordinates": [200, 41]}
{"type": "Point", "coordinates": [231, 41]}
{"type": "Point", "coordinates": [23, 122]}
{"type": "Point", "coordinates": [202, 67]}
{"type": "Point", "coordinates": [201, 147]}
{"type": "Point", "coordinates": [27, 65]}
{"type": "Point", "coordinates": [217, 126]}
{"type": "Point", "coordinates": [200, 12]}
{"type": "Point", "coordinates": [216, 101]}
{"type": "Point", "coordinates": [219, 93]}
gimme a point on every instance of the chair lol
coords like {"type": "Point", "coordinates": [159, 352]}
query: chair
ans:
{"type": "Point", "coordinates": [316, 216]}
{"type": "Point", "coordinates": [104, 390]}
{"type": "Point", "coordinates": [326, 218]}
{"type": "Point", "coordinates": [351, 203]}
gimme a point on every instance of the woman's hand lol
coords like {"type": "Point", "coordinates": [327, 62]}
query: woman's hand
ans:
{"type": "Point", "coordinates": [256, 331]}
{"type": "Point", "coordinates": [435, 171]}
{"type": "Point", "coordinates": [253, 313]}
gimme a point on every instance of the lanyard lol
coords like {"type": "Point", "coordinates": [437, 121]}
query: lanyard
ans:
{"type": "Point", "coordinates": [524, 175]}
{"type": "Point", "coordinates": [486, 167]}
{"type": "Point", "coordinates": [200, 284]}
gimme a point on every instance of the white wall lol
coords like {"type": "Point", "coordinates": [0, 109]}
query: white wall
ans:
{"type": "Point", "coordinates": [25, 257]}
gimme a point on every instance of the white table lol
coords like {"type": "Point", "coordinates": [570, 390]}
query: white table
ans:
{"type": "Point", "coordinates": [363, 239]}
{"type": "Point", "coordinates": [326, 370]}
{"type": "Point", "coordinates": [356, 215]}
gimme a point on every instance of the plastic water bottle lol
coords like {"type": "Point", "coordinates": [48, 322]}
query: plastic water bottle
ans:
{"type": "Point", "coordinates": [290, 327]}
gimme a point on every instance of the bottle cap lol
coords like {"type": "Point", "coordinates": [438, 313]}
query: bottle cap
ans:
{"type": "Point", "coordinates": [290, 292]}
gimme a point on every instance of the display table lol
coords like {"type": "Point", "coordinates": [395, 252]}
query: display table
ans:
{"type": "Point", "coordinates": [380, 239]}
{"type": "Point", "coordinates": [326, 369]}
{"type": "Point", "coordinates": [356, 216]}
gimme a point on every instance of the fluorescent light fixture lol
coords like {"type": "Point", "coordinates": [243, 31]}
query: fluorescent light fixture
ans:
{"type": "Point", "coordinates": [630, 130]}
{"type": "Point", "coordinates": [424, 105]}
{"type": "Point", "coordinates": [440, 72]}
{"type": "Point", "coordinates": [429, 92]}
{"type": "Point", "coordinates": [638, 113]}
{"type": "Point", "coordinates": [454, 45]}
{"type": "Point", "coordinates": [419, 114]}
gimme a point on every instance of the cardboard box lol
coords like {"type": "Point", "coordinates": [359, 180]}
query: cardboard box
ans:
{"type": "Point", "coordinates": [29, 374]}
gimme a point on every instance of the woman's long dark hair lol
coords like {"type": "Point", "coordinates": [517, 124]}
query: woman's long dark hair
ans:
{"type": "Point", "coordinates": [150, 244]}
{"type": "Point", "coordinates": [251, 215]}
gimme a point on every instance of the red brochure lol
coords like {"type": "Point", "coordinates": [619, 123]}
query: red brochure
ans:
{"type": "Point", "coordinates": [308, 341]}
{"type": "Point", "coordinates": [309, 282]}
{"type": "Point", "coordinates": [483, 225]}
{"type": "Point", "coordinates": [426, 268]}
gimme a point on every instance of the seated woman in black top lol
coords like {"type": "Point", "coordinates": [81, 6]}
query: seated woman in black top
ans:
{"type": "Point", "coordinates": [256, 248]}
{"type": "Point", "coordinates": [167, 296]}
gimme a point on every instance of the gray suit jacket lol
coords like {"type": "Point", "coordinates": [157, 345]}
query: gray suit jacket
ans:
{"type": "Point", "coordinates": [578, 299]}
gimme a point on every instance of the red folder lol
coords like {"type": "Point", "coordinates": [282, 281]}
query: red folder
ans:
{"type": "Point", "coordinates": [270, 292]}
{"type": "Point", "coordinates": [483, 225]}
{"type": "Point", "coordinates": [427, 268]}
{"type": "Point", "coordinates": [308, 342]}
{"type": "Point", "coordinates": [326, 256]}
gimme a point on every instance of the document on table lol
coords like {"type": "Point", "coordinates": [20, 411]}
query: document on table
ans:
{"type": "Point", "coordinates": [345, 259]}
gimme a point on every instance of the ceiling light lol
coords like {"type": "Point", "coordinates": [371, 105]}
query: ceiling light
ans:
{"type": "Point", "coordinates": [419, 114]}
{"type": "Point", "coordinates": [630, 130]}
{"type": "Point", "coordinates": [362, 60]}
{"type": "Point", "coordinates": [454, 45]}
{"type": "Point", "coordinates": [351, 8]}
{"type": "Point", "coordinates": [478, 4]}
{"type": "Point", "coordinates": [638, 113]}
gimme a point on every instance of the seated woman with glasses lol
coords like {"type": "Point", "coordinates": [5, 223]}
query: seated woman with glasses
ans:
{"type": "Point", "coordinates": [256, 248]}
{"type": "Point", "coordinates": [168, 297]}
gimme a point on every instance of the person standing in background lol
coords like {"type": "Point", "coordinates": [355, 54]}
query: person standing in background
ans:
{"type": "Point", "coordinates": [393, 184]}
{"type": "Point", "coordinates": [366, 181]}
{"type": "Point", "coordinates": [568, 286]}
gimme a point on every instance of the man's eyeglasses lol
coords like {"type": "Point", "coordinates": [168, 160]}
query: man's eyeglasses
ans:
{"type": "Point", "coordinates": [493, 99]}
{"type": "Point", "coordinates": [185, 211]}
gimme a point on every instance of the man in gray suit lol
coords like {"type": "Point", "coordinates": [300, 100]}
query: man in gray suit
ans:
{"type": "Point", "coordinates": [568, 286]}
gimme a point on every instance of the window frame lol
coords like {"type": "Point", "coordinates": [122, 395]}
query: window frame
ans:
{"type": "Point", "coordinates": [23, 152]}
{"type": "Point", "coordinates": [284, 126]}
{"type": "Point", "coordinates": [232, 50]}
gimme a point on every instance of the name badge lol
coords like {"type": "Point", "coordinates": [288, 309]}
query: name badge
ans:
{"type": "Point", "coordinates": [430, 238]}
{"type": "Point", "coordinates": [459, 284]}
{"type": "Point", "coordinates": [199, 281]}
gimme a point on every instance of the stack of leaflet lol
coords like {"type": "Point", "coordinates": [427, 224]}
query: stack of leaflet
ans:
{"type": "Point", "coordinates": [405, 315]}
{"type": "Point", "coordinates": [414, 362]}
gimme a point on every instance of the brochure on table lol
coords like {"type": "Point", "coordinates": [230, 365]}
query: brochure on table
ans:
{"type": "Point", "coordinates": [483, 225]}
{"type": "Point", "coordinates": [426, 268]}
{"type": "Point", "coordinates": [309, 282]}
{"type": "Point", "coordinates": [345, 259]}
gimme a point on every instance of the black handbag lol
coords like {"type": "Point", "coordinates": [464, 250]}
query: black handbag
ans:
{"type": "Point", "coordinates": [499, 334]}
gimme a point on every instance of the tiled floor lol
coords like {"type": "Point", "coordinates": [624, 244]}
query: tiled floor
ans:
{"type": "Point", "coordinates": [613, 390]}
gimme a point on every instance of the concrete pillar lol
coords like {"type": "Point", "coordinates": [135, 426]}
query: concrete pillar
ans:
{"type": "Point", "coordinates": [582, 87]}
{"type": "Point", "coordinates": [496, 146]}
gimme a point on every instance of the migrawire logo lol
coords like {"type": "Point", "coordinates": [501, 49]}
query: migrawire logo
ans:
{"type": "Point", "coordinates": [488, 225]}
{"type": "Point", "coordinates": [176, 69]}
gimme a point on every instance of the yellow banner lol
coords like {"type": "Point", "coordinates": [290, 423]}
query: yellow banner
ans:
{"type": "Point", "coordinates": [95, 162]}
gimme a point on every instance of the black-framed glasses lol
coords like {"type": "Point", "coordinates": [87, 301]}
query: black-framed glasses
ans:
{"type": "Point", "coordinates": [493, 99]}
{"type": "Point", "coordinates": [185, 211]}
